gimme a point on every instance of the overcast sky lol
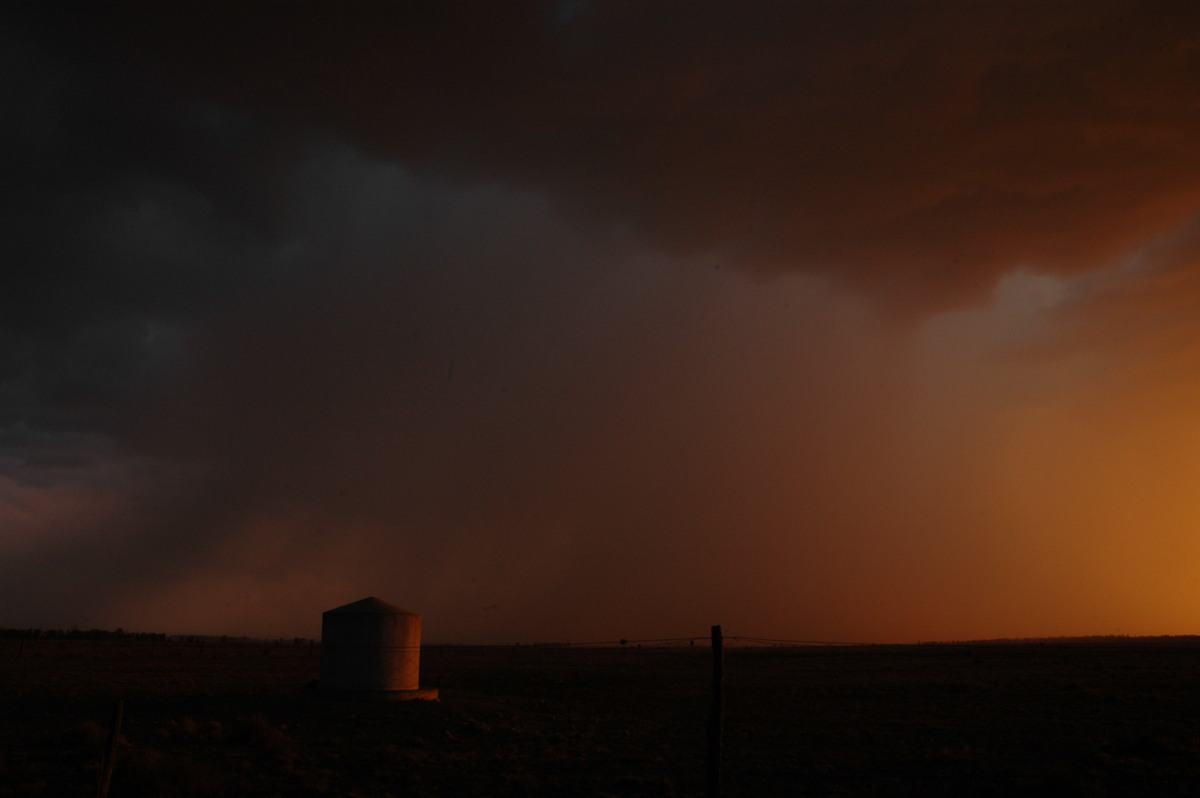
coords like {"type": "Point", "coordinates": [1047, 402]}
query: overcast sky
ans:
{"type": "Point", "coordinates": [852, 321]}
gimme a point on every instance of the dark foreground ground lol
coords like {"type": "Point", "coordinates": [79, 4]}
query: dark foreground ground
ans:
{"type": "Point", "coordinates": [236, 719]}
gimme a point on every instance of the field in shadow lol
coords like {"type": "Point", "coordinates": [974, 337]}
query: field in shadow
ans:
{"type": "Point", "coordinates": [1116, 717]}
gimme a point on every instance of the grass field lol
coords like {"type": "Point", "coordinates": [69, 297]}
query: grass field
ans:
{"type": "Point", "coordinates": [1117, 717]}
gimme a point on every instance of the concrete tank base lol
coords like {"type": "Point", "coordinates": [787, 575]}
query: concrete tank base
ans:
{"type": "Point", "coordinates": [420, 694]}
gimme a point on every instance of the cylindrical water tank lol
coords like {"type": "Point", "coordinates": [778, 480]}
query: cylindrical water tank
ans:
{"type": "Point", "coordinates": [370, 646]}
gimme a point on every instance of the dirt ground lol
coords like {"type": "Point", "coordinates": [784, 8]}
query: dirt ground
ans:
{"type": "Point", "coordinates": [1117, 717]}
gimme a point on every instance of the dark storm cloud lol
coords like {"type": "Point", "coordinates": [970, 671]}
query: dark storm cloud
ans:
{"type": "Point", "coordinates": [493, 410]}
{"type": "Point", "coordinates": [916, 149]}
{"type": "Point", "coordinates": [129, 216]}
{"type": "Point", "coordinates": [306, 301]}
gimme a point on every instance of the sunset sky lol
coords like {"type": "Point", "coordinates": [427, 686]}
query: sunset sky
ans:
{"type": "Point", "coordinates": [853, 321]}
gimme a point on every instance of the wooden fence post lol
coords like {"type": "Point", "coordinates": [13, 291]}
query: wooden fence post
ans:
{"type": "Point", "coordinates": [716, 715]}
{"type": "Point", "coordinates": [110, 751]}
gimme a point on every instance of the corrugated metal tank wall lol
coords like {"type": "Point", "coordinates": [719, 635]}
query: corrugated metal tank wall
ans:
{"type": "Point", "coordinates": [370, 645]}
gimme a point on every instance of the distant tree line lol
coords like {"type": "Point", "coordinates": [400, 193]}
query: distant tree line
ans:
{"type": "Point", "coordinates": [140, 637]}
{"type": "Point", "coordinates": [81, 634]}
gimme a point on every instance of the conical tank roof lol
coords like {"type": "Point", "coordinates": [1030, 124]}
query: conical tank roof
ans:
{"type": "Point", "coordinates": [371, 606]}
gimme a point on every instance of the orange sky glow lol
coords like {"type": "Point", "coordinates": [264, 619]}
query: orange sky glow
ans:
{"type": "Point", "coordinates": [582, 321]}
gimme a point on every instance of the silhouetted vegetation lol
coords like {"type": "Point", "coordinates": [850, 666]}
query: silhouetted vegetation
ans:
{"type": "Point", "coordinates": [120, 635]}
{"type": "Point", "coordinates": [81, 634]}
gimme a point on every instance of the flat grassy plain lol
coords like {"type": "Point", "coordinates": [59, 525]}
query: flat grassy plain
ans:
{"type": "Point", "coordinates": [1111, 717]}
